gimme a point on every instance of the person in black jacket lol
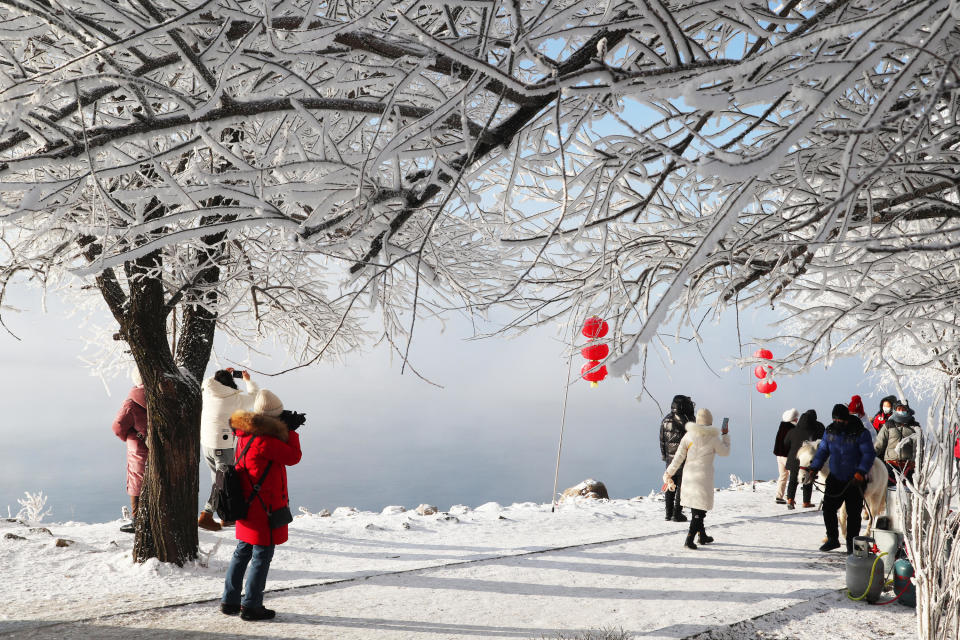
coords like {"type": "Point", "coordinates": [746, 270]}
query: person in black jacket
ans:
{"type": "Point", "coordinates": [672, 430]}
{"type": "Point", "coordinates": [780, 450]}
{"type": "Point", "coordinates": [808, 429]}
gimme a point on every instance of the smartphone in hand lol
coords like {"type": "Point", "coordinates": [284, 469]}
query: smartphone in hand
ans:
{"type": "Point", "coordinates": [237, 374]}
{"type": "Point", "coordinates": [724, 427]}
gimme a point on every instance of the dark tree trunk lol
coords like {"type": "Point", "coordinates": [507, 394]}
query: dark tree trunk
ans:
{"type": "Point", "coordinates": [167, 513]}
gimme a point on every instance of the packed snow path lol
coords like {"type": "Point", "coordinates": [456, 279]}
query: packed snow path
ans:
{"type": "Point", "coordinates": [763, 572]}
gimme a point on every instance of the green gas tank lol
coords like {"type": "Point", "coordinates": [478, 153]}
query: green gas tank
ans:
{"type": "Point", "coordinates": [903, 581]}
{"type": "Point", "coordinates": [864, 571]}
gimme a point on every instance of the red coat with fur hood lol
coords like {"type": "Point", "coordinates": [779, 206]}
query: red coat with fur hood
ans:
{"type": "Point", "coordinates": [272, 442]}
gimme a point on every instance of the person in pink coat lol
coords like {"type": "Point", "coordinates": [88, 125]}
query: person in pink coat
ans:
{"type": "Point", "coordinates": [265, 447]}
{"type": "Point", "coordinates": [130, 425]}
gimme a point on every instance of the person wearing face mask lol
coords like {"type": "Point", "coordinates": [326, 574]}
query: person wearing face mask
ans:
{"type": "Point", "coordinates": [896, 442]}
{"type": "Point", "coordinates": [848, 449]}
{"type": "Point", "coordinates": [886, 410]}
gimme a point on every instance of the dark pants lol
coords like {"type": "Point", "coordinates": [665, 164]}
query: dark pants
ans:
{"type": "Point", "coordinates": [806, 490]}
{"type": "Point", "coordinates": [838, 492]}
{"type": "Point", "coordinates": [696, 522]}
{"type": "Point", "coordinates": [672, 498]}
{"type": "Point", "coordinates": [256, 579]}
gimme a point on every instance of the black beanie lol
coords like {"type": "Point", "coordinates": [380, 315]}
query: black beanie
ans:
{"type": "Point", "coordinates": [840, 412]}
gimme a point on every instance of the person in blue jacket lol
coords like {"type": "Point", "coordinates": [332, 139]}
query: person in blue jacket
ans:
{"type": "Point", "coordinates": [850, 450]}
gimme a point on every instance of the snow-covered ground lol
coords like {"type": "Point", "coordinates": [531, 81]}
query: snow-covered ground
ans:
{"type": "Point", "coordinates": [507, 572]}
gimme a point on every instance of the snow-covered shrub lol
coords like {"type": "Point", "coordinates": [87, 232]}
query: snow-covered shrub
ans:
{"type": "Point", "coordinates": [933, 533]}
{"type": "Point", "coordinates": [33, 507]}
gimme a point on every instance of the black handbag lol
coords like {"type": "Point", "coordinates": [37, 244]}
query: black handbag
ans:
{"type": "Point", "coordinates": [279, 518]}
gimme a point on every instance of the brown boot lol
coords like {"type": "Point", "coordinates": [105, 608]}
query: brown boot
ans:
{"type": "Point", "coordinates": [206, 521]}
{"type": "Point", "coordinates": [791, 504]}
{"type": "Point", "coordinates": [808, 505]}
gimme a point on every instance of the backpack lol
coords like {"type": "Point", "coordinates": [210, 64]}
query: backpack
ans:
{"type": "Point", "coordinates": [226, 497]}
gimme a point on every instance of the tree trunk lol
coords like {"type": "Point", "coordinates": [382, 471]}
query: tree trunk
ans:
{"type": "Point", "coordinates": [167, 513]}
{"type": "Point", "coordinates": [167, 517]}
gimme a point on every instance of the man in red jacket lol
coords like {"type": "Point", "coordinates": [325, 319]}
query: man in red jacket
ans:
{"type": "Point", "coordinates": [265, 446]}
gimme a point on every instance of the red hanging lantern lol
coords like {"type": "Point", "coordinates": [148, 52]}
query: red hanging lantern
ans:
{"type": "Point", "coordinates": [763, 354]}
{"type": "Point", "coordinates": [595, 327]}
{"type": "Point", "coordinates": [595, 351]}
{"type": "Point", "coordinates": [766, 387]}
{"type": "Point", "coordinates": [595, 376]}
{"type": "Point", "coordinates": [760, 371]}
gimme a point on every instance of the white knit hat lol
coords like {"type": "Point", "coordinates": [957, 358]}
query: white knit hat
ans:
{"type": "Point", "coordinates": [791, 415]}
{"type": "Point", "coordinates": [267, 403]}
{"type": "Point", "coordinates": [704, 418]}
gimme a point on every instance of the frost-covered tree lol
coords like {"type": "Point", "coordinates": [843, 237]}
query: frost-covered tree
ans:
{"type": "Point", "coordinates": [225, 163]}
{"type": "Point", "coordinates": [643, 160]}
{"type": "Point", "coordinates": [228, 164]}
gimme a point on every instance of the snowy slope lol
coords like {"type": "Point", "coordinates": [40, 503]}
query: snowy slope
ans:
{"type": "Point", "coordinates": [517, 571]}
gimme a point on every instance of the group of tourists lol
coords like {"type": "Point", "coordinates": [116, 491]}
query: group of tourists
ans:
{"type": "Point", "coordinates": [689, 442]}
{"type": "Point", "coordinates": [251, 431]}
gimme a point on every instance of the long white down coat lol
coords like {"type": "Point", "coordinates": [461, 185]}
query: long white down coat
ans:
{"type": "Point", "coordinates": [219, 403]}
{"type": "Point", "coordinates": [698, 448]}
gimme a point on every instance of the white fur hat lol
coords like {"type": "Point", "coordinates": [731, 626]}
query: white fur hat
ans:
{"type": "Point", "coordinates": [791, 415]}
{"type": "Point", "coordinates": [267, 403]}
{"type": "Point", "coordinates": [704, 417]}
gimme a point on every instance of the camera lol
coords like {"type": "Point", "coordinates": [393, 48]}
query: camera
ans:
{"type": "Point", "coordinates": [293, 419]}
{"type": "Point", "coordinates": [237, 374]}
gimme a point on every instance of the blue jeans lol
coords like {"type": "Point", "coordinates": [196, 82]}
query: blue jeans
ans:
{"type": "Point", "coordinates": [256, 579]}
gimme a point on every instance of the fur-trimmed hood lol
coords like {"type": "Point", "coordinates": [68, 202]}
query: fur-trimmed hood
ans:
{"type": "Point", "coordinates": [702, 429]}
{"type": "Point", "coordinates": [257, 424]}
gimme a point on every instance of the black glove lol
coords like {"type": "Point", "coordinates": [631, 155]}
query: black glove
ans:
{"type": "Point", "coordinates": [293, 419]}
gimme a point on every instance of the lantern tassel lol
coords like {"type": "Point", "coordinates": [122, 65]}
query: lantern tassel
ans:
{"type": "Point", "coordinates": [594, 385]}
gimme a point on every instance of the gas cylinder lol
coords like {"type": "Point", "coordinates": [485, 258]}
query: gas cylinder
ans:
{"type": "Point", "coordinates": [887, 542]}
{"type": "Point", "coordinates": [864, 571]}
{"type": "Point", "coordinates": [902, 577]}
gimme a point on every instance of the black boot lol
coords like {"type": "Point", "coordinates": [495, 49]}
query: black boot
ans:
{"type": "Point", "coordinates": [678, 516]}
{"type": "Point", "coordinates": [830, 544]}
{"type": "Point", "coordinates": [703, 538]}
{"type": "Point", "coordinates": [689, 543]}
{"type": "Point", "coordinates": [252, 615]}
{"type": "Point", "coordinates": [669, 510]}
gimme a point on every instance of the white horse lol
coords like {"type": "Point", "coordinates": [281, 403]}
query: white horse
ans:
{"type": "Point", "coordinates": [874, 494]}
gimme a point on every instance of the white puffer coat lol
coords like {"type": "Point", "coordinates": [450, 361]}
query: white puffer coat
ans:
{"type": "Point", "coordinates": [219, 403]}
{"type": "Point", "coordinates": [697, 449]}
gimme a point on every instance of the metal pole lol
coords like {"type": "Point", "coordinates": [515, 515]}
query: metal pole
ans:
{"type": "Point", "coordinates": [753, 475]}
{"type": "Point", "coordinates": [563, 422]}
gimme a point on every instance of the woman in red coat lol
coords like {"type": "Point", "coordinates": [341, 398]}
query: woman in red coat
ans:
{"type": "Point", "coordinates": [264, 448]}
